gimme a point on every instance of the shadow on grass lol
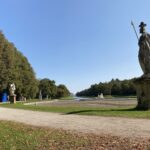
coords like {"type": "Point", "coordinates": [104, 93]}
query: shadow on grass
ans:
{"type": "Point", "coordinates": [109, 110]}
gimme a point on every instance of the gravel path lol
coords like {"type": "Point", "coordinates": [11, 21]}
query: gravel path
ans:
{"type": "Point", "coordinates": [87, 124]}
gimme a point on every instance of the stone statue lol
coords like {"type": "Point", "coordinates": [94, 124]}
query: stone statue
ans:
{"type": "Point", "coordinates": [144, 50]}
{"type": "Point", "coordinates": [40, 95]}
{"type": "Point", "coordinates": [143, 83]}
{"type": "Point", "coordinates": [12, 89]}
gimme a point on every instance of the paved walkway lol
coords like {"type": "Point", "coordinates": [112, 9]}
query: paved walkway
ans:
{"type": "Point", "coordinates": [88, 124]}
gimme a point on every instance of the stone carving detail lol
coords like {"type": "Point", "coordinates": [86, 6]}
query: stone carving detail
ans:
{"type": "Point", "coordinates": [12, 89]}
{"type": "Point", "coordinates": [12, 97]}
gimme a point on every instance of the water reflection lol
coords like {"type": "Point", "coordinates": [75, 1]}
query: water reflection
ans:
{"type": "Point", "coordinates": [80, 98]}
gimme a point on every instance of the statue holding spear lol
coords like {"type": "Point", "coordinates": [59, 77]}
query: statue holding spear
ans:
{"type": "Point", "coordinates": [143, 83]}
{"type": "Point", "coordinates": [144, 49]}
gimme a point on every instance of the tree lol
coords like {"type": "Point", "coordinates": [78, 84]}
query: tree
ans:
{"type": "Point", "coordinates": [14, 67]}
{"type": "Point", "coordinates": [114, 87]}
{"type": "Point", "coordinates": [48, 88]}
{"type": "Point", "coordinates": [62, 91]}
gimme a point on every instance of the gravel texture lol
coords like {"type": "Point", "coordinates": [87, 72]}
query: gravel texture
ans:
{"type": "Point", "coordinates": [115, 126]}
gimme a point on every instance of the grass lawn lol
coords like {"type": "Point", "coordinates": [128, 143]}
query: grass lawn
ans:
{"type": "Point", "coordinates": [67, 98]}
{"type": "Point", "coordinates": [16, 136]}
{"type": "Point", "coordinates": [129, 112]}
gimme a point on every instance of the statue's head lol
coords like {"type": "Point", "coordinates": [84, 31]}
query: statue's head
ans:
{"type": "Point", "coordinates": [142, 27]}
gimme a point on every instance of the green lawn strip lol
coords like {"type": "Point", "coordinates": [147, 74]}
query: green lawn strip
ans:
{"type": "Point", "coordinates": [131, 96]}
{"type": "Point", "coordinates": [129, 112]}
{"type": "Point", "coordinates": [111, 96]}
{"type": "Point", "coordinates": [15, 137]}
{"type": "Point", "coordinates": [18, 136]}
{"type": "Point", "coordinates": [67, 98]}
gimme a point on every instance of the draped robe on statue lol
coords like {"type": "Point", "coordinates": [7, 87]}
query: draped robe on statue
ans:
{"type": "Point", "coordinates": [144, 53]}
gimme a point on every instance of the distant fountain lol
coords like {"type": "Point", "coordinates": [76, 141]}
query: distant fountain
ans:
{"type": "Point", "coordinates": [101, 96]}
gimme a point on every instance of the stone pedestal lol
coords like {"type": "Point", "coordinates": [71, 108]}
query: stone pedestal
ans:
{"type": "Point", "coordinates": [143, 93]}
{"type": "Point", "coordinates": [12, 99]}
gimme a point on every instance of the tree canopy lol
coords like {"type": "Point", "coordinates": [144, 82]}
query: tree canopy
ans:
{"type": "Point", "coordinates": [14, 67]}
{"type": "Point", "coordinates": [49, 89]}
{"type": "Point", "coordinates": [114, 87]}
{"type": "Point", "coordinates": [62, 91]}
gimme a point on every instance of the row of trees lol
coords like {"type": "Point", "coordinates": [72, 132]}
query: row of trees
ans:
{"type": "Point", "coordinates": [14, 67]}
{"type": "Point", "coordinates": [114, 87]}
{"type": "Point", "coordinates": [49, 89]}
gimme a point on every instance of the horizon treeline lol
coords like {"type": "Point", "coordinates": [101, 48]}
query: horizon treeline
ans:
{"type": "Point", "coordinates": [15, 68]}
{"type": "Point", "coordinates": [114, 87]}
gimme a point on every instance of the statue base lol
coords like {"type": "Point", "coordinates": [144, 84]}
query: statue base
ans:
{"type": "Point", "coordinates": [12, 99]}
{"type": "Point", "coordinates": [143, 92]}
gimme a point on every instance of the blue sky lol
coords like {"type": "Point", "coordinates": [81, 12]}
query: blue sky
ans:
{"type": "Point", "coordinates": [76, 42]}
